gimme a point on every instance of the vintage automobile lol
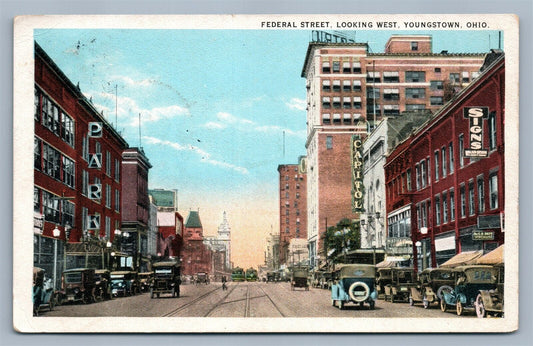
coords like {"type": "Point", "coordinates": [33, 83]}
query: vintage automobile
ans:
{"type": "Point", "coordinates": [470, 280]}
{"type": "Point", "coordinates": [490, 302]}
{"type": "Point", "coordinates": [145, 280]}
{"type": "Point", "coordinates": [102, 280]}
{"type": "Point", "coordinates": [402, 279]}
{"type": "Point", "coordinates": [433, 282]}
{"type": "Point", "coordinates": [124, 282]}
{"type": "Point", "coordinates": [271, 277]}
{"type": "Point", "coordinates": [354, 283]}
{"type": "Point", "coordinates": [299, 279]}
{"type": "Point", "coordinates": [202, 278]}
{"type": "Point", "coordinates": [43, 293]}
{"type": "Point", "coordinates": [383, 278]}
{"type": "Point", "coordinates": [78, 285]}
{"type": "Point", "coordinates": [167, 279]}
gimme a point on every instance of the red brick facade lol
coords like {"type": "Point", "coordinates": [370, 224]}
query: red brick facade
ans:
{"type": "Point", "coordinates": [196, 256]}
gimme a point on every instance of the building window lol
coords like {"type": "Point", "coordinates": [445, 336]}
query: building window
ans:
{"type": "Point", "coordinates": [492, 130]}
{"type": "Point", "coordinates": [37, 105]}
{"type": "Point", "coordinates": [415, 93]}
{"type": "Point", "coordinates": [463, 201]}
{"type": "Point", "coordinates": [85, 183]}
{"type": "Point", "coordinates": [373, 77]}
{"type": "Point", "coordinates": [493, 190]}
{"type": "Point", "coordinates": [108, 196]}
{"type": "Point", "coordinates": [391, 109]}
{"type": "Point", "coordinates": [452, 205]}
{"type": "Point", "coordinates": [391, 94]}
{"type": "Point", "coordinates": [346, 68]}
{"type": "Point", "coordinates": [408, 177]}
{"type": "Point", "coordinates": [347, 119]}
{"type": "Point", "coordinates": [417, 173]}
{"type": "Point", "coordinates": [326, 85]}
{"type": "Point", "coordinates": [437, 210]}
{"type": "Point", "coordinates": [117, 200]}
{"type": "Point", "coordinates": [326, 102]}
{"type": "Point", "coordinates": [326, 67]}
{"type": "Point", "coordinates": [67, 132]}
{"type": "Point", "coordinates": [108, 227]}
{"type": "Point", "coordinates": [436, 85]}
{"type": "Point", "coordinates": [67, 213]}
{"type": "Point", "coordinates": [424, 214]}
{"type": "Point", "coordinates": [336, 66]}
{"type": "Point", "coordinates": [356, 67]}
{"type": "Point", "coordinates": [50, 207]}
{"type": "Point", "coordinates": [372, 93]}
{"type": "Point", "coordinates": [117, 170]}
{"type": "Point", "coordinates": [329, 142]}
{"type": "Point", "coordinates": [37, 153]}
{"type": "Point", "coordinates": [450, 155]}
{"type": "Point", "coordinates": [466, 77]}
{"type": "Point", "coordinates": [461, 150]}
{"type": "Point", "coordinates": [347, 102]}
{"type": "Point", "coordinates": [436, 100]}
{"type": "Point", "coordinates": [51, 162]}
{"type": "Point", "coordinates": [444, 162]}
{"type": "Point", "coordinates": [108, 163]}
{"type": "Point", "coordinates": [481, 194]}
{"type": "Point", "coordinates": [84, 218]}
{"type": "Point", "coordinates": [286, 212]}
{"type": "Point", "coordinates": [336, 118]}
{"type": "Point", "coordinates": [336, 85]}
{"type": "Point", "coordinates": [437, 70]}
{"type": "Point", "coordinates": [454, 78]}
{"type": "Point", "coordinates": [415, 76]}
{"type": "Point", "coordinates": [85, 148]}
{"type": "Point", "coordinates": [471, 202]}
{"type": "Point", "coordinates": [36, 199]}
{"type": "Point", "coordinates": [97, 147]}
{"type": "Point", "coordinates": [336, 102]}
{"type": "Point", "coordinates": [326, 119]}
{"type": "Point", "coordinates": [414, 46]}
{"type": "Point", "coordinates": [68, 171]}
{"type": "Point", "coordinates": [423, 173]}
{"type": "Point", "coordinates": [415, 107]}
{"type": "Point", "coordinates": [357, 102]}
{"type": "Point", "coordinates": [391, 77]}
{"type": "Point", "coordinates": [436, 165]}
{"type": "Point", "coordinates": [444, 208]}
{"type": "Point", "coordinates": [356, 85]}
{"type": "Point", "coordinates": [346, 85]}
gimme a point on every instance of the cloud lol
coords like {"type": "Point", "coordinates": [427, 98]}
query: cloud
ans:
{"type": "Point", "coordinates": [296, 103]}
{"type": "Point", "coordinates": [205, 156]}
{"type": "Point", "coordinates": [214, 125]}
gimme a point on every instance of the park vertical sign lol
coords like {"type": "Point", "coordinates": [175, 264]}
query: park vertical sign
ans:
{"type": "Point", "coordinates": [357, 173]}
{"type": "Point", "coordinates": [475, 115]}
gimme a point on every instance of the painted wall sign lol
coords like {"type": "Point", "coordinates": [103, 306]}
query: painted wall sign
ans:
{"type": "Point", "coordinates": [95, 129]}
{"type": "Point", "coordinates": [93, 221]}
{"type": "Point", "coordinates": [476, 116]}
{"type": "Point", "coordinates": [95, 191]}
{"type": "Point", "coordinates": [482, 235]}
{"type": "Point", "coordinates": [95, 160]}
{"type": "Point", "coordinates": [357, 173]}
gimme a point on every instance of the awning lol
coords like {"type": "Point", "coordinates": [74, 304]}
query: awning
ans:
{"type": "Point", "coordinates": [464, 258]}
{"type": "Point", "coordinates": [387, 264]}
{"type": "Point", "coordinates": [493, 257]}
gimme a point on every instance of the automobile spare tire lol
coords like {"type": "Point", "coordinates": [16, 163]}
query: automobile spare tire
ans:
{"type": "Point", "coordinates": [358, 286]}
{"type": "Point", "coordinates": [444, 288]}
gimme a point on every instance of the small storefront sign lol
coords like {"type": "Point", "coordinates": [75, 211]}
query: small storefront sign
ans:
{"type": "Point", "coordinates": [38, 223]}
{"type": "Point", "coordinates": [482, 235]}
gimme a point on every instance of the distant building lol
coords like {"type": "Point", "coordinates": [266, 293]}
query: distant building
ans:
{"type": "Point", "coordinates": [221, 245]}
{"type": "Point", "coordinates": [153, 231]}
{"type": "Point", "coordinates": [292, 206]}
{"type": "Point", "coordinates": [165, 200]}
{"type": "Point", "coordinates": [350, 89]}
{"type": "Point", "coordinates": [196, 256]}
{"type": "Point", "coordinates": [170, 234]}
{"type": "Point", "coordinates": [272, 251]}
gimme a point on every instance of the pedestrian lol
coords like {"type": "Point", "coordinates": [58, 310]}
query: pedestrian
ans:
{"type": "Point", "coordinates": [224, 287]}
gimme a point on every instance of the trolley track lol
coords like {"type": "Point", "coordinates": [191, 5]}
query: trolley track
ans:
{"type": "Point", "coordinates": [273, 304]}
{"type": "Point", "coordinates": [247, 303]}
{"type": "Point", "coordinates": [220, 302]}
{"type": "Point", "coordinates": [192, 302]}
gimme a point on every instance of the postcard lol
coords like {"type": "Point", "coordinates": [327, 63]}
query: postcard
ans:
{"type": "Point", "coordinates": [266, 173]}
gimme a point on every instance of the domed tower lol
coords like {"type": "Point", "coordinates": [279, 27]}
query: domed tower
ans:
{"type": "Point", "coordinates": [224, 236]}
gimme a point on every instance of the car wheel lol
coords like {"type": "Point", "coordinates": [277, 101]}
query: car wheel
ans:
{"type": "Point", "coordinates": [411, 301]}
{"type": "Point", "coordinates": [480, 307]}
{"type": "Point", "coordinates": [459, 308]}
{"type": "Point", "coordinates": [442, 289]}
{"type": "Point", "coordinates": [443, 305]}
{"type": "Point", "coordinates": [425, 302]}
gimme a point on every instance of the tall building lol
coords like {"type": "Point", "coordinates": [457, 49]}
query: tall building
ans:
{"type": "Point", "coordinates": [292, 206]}
{"type": "Point", "coordinates": [77, 174]}
{"type": "Point", "coordinates": [446, 180]}
{"type": "Point", "coordinates": [221, 243]}
{"type": "Point", "coordinates": [165, 200]}
{"type": "Point", "coordinates": [349, 89]}
{"type": "Point", "coordinates": [135, 207]}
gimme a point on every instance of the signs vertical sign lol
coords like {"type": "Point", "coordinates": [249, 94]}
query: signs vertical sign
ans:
{"type": "Point", "coordinates": [357, 173]}
{"type": "Point", "coordinates": [476, 115]}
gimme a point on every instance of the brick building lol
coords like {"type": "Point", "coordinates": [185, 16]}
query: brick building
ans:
{"type": "Point", "coordinates": [77, 174]}
{"type": "Point", "coordinates": [135, 207]}
{"type": "Point", "coordinates": [447, 192]}
{"type": "Point", "coordinates": [170, 234]}
{"type": "Point", "coordinates": [196, 256]}
{"type": "Point", "coordinates": [348, 91]}
{"type": "Point", "coordinates": [292, 206]}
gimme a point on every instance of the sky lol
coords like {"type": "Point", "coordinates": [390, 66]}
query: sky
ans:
{"type": "Point", "coordinates": [219, 110]}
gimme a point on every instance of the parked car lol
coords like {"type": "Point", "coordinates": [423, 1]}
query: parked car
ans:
{"type": "Point", "coordinates": [402, 279]}
{"type": "Point", "coordinates": [202, 278]}
{"type": "Point", "coordinates": [145, 280]}
{"type": "Point", "coordinates": [271, 277]}
{"type": "Point", "coordinates": [78, 285]}
{"type": "Point", "coordinates": [43, 293]}
{"type": "Point", "coordinates": [124, 282]}
{"type": "Point", "coordinates": [354, 283]}
{"type": "Point", "coordinates": [433, 282]}
{"type": "Point", "coordinates": [383, 278]}
{"type": "Point", "coordinates": [167, 279]}
{"type": "Point", "coordinates": [102, 280]}
{"type": "Point", "coordinates": [299, 279]}
{"type": "Point", "coordinates": [490, 302]}
{"type": "Point", "coordinates": [326, 281]}
{"type": "Point", "coordinates": [470, 280]}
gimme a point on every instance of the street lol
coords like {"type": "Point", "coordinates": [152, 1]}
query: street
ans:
{"type": "Point", "coordinates": [244, 299]}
